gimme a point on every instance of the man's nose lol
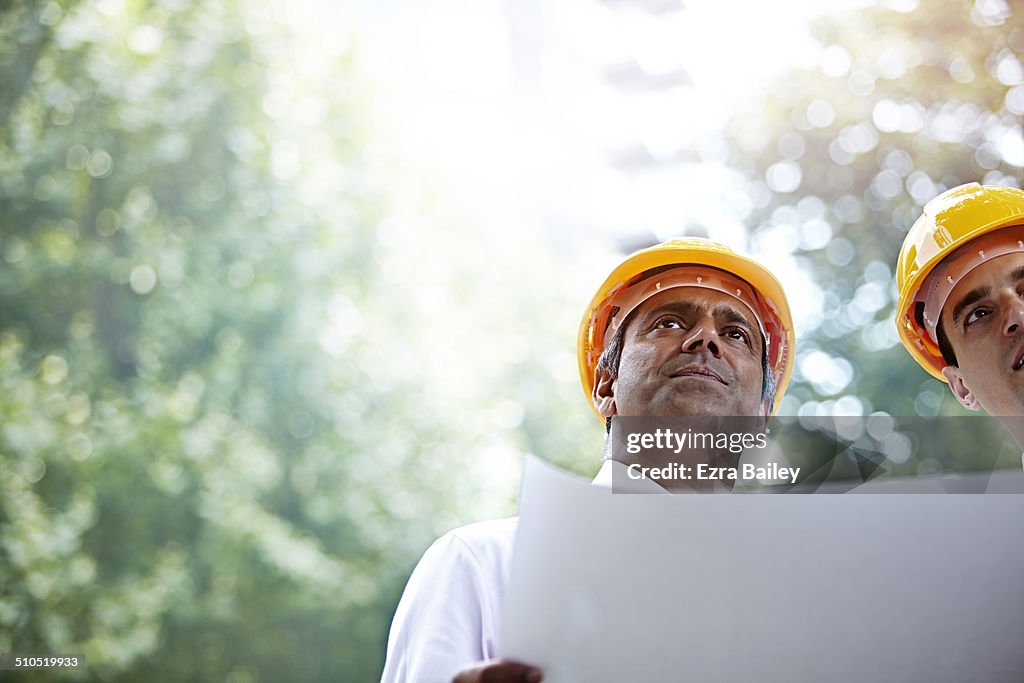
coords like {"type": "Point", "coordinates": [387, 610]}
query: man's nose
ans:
{"type": "Point", "coordinates": [1014, 319]}
{"type": "Point", "coordinates": [702, 336]}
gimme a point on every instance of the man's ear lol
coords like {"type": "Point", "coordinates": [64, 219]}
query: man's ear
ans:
{"type": "Point", "coordinates": [604, 392]}
{"type": "Point", "coordinates": [962, 392]}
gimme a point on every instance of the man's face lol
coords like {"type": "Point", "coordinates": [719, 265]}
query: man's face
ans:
{"type": "Point", "coordinates": [686, 351]}
{"type": "Point", "coordinates": [984, 322]}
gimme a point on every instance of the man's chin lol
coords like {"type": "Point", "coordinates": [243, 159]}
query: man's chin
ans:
{"type": "Point", "coordinates": [699, 410]}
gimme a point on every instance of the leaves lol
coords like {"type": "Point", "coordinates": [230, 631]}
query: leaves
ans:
{"type": "Point", "coordinates": [215, 459]}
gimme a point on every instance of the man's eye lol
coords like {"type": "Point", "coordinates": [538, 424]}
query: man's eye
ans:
{"type": "Point", "coordinates": [668, 324]}
{"type": "Point", "coordinates": [737, 334]}
{"type": "Point", "coordinates": [976, 315]}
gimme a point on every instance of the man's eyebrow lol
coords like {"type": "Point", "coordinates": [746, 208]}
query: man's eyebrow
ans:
{"type": "Point", "coordinates": [723, 312]}
{"type": "Point", "coordinates": [681, 307]}
{"type": "Point", "coordinates": [1017, 274]}
{"type": "Point", "coordinates": [973, 296]}
{"type": "Point", "coordinates": [729, 314]}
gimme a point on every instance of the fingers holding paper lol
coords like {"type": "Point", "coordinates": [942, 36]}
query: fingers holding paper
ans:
{"type": "Point", "coordinates": [499, 671]}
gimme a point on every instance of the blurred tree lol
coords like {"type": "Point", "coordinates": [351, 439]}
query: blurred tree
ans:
{"type": "Point", "coordinates": [908, 99]}
{"type": "Point", "coordinates": [230, 418]}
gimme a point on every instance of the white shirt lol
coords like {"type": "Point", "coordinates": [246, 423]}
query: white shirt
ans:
{"type": "Point", "coordinates": [451, 609]}
{"type": "Point", "coordinates": [450, 613]}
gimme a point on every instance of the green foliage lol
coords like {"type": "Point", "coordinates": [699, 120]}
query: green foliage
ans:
{"type": "Point", "coordinates": [230, 417]}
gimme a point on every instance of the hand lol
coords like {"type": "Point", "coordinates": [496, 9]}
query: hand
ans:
{"type": "Point", "coordinates": [499, 671]}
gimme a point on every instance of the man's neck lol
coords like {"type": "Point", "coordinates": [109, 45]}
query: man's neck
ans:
{"type": "Point", "coordinates": [1015, 425]}
{"type": "Point", "coordinates": [707, 470]}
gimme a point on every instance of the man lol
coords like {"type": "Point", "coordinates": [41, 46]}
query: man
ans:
{"type": "Point", "coordinates": [961, 297]}
{"type": "Point", "coordinates": [683, 328]}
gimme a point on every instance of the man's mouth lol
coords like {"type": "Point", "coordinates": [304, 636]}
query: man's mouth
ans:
{"type": "Point", "coordinates": [1018, 362]}
{"type": "Point", "coordinates": [705, 371]}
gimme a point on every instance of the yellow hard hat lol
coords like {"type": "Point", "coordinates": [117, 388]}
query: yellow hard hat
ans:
{"type": "Point", "coordinates": [948, 222]}
{"type": "Point", "coordinates": [739, 276]}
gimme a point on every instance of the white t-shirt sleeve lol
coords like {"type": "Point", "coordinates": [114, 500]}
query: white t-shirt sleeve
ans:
{"type": "Point", "coordinates": [445, 620]}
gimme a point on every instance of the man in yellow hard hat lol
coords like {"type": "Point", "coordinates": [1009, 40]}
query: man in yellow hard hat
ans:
{"type": "Point", "coordinates": [687, 327]}
{"type": "Point", "coordinates": [651, 284]}
{"type": "Point", "coordinates": [961, 297]}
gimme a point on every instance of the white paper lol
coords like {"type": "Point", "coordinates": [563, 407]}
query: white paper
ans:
{"type": "Point", "coordinates": [625, 588]}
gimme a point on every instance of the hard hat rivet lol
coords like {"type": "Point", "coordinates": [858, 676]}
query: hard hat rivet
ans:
{"type": "Point", "coordinates": [981, 253]}
{"type": "Point", "coordinates": [949, 279]}
{"type": "Point", "coordinates": [737, 292]}
{"type": "Point", "coordinates": [700, 280]}
{"type": "Point", "coordinates": [657, 285]}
